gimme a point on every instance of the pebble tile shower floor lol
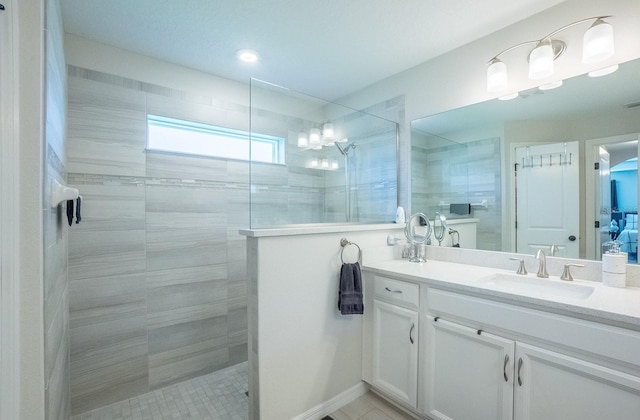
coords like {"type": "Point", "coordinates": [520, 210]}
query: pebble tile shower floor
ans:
{"type": "Point", "coordinates": [219, 395]}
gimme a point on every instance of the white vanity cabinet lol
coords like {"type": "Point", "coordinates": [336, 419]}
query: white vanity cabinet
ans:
{"type": "Point", "coordinates": [395, 339]}
{"type": "Point", "coordinates": [473, 374]}
{"type": "Point", "coordinates": [551, 385]}
{"type": "Point", "coordinates": [469, 373]}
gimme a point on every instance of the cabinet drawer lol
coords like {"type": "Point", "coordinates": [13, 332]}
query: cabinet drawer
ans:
{"type": "Point", "coordinates": [397, 291]}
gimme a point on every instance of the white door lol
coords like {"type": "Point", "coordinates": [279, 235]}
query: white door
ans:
{"type": "Point", "coordinates": [547, 198]}
{"type": "Point", "coordinates": [603, 200]}
{"type": "Point", "coordinates": [395, 351]}
{"type": "Point", "coordinates": [469, 374]}
{"type": "Point", "coordinates": [552, 386]}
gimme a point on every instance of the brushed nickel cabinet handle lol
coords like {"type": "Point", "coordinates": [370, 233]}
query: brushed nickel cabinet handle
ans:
{"type": "Point", "coordinates": [413, 326]}
{"type": "Point", "coordinates": [392, 291]}
{"type": "Point", "coordinates": [504, 368]}
{"type": "Point", "coordinates": [519, 369]}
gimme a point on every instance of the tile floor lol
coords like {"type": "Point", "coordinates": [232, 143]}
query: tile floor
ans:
{"type": "Point", "coordinates": [217, 396]}
{"type": "Point", "coordinates": [369, 407]}
{"type": "Point", "coordinates": [221, 396]}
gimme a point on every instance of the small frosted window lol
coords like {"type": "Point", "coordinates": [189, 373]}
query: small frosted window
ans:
{"type": "Point", "coordinates": [179, 136]}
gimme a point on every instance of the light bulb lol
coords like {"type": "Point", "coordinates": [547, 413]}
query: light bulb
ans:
{"type": "Point", "coordinates": [327, 131]}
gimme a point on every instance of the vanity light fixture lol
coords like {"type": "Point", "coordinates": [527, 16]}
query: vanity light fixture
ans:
{"type": "Point", "coordinates": [597, 46]}
{"type": "Point", "coordinates": [303, 140]}
{"type": "Point", "coordinates": [315, 139]}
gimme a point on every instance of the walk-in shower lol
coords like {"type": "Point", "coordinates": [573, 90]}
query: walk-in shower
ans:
{"type": "Point", "coordinates": [311, 181]}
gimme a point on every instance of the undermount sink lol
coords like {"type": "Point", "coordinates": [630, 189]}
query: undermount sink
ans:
{"type": "Point", "coordinates": [535, 286]}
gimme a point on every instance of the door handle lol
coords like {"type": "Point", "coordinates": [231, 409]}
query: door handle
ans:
{"type": "Point", "coordinates": [413, 326]}
{"type": "Point", "coordinates": [572, 238]}
{"type": "Point", "coordinates": [519, 369]}
{"type": "Point", "coordinates": [504, 368]}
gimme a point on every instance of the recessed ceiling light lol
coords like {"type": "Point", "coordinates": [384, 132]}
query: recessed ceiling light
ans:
{"type": "Point", "coordinates": [248, 55]}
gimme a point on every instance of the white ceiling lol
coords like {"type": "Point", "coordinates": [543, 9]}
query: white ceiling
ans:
{"type": "Point", "coordinates": [326, 48]}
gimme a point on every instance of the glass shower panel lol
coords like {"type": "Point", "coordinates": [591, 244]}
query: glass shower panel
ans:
{"type": "Point", "coordinates": [335, 164]}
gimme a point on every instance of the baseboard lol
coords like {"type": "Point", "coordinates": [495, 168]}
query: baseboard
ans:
{"type": "Point", "coordinates": [334, 403]}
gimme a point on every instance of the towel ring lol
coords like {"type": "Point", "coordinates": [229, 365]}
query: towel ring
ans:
{"type": "Point", "coordinates": [343, 243]}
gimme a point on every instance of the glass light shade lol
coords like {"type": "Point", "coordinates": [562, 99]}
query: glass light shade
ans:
{"type": "Point", "coordinates": [303, 140]}
{"type": "Point", "coordinates": [597, 43]}
{"type": "Point", "coordinates": [541, 62]}
{"type": "Point", "coordinates": [497, 78]}
{"type": "Point", "coordinates": [314, 163]}
{"type": "Point", "coordinates": [334, 164]}
{"type": "Point", "coordinates": [604, 71]}
{"type": "Point", "coordinates": [551, 85]}
{"type": "Point", "coordinates": [327, 132]}
{"type": "Point", "coordinates": [324, 163]}
{"type": "Point", "coordinates": [314, 137]}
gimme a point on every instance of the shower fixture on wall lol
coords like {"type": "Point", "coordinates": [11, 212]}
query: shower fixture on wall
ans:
{"type": "Point", "coordinates": [345, 150]}
{"type": "Point", "coordinates": [597, 46]}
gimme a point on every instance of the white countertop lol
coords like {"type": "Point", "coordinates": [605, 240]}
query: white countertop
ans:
{"type": "Point", "coordinates": [617, 306]}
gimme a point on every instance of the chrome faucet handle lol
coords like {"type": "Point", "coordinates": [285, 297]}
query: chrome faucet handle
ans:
{"type": "Point", "coordinates": [542, 268]}
{"type": "Point", "coordinates": [566, 273]}
{"type": "Point", "coordinates": [521, 268]}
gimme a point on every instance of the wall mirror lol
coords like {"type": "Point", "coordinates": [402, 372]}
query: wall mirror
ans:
{"type": "Point", "coordinates": [508, 160]}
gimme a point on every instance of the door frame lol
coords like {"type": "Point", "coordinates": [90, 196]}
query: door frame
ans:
{"type": "Point", "coordinates": [9, 205]}
{"type": "Point", "coordinates": [591, 156]}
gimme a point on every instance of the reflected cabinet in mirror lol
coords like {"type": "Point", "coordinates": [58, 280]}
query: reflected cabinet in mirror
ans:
{"type": "Point", "coordinates": [550, 167]}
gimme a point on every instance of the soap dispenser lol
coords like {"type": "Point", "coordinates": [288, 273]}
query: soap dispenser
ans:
{"type": "Point", "coordinates": [614, 265]}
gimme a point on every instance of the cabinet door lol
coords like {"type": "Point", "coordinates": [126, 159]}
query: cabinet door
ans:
{"type": "Point", "coordinates": [554, 386]}
{"type": "Point", "coordinates": [469, 374]}
{"type": "Point", "coordinates": [395, 351]}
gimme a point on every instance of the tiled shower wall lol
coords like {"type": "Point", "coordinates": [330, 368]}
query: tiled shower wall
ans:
{"type": "Point", "coordinates": [157, 268]}
{"type": "Point", "coordinates": [460, 173]}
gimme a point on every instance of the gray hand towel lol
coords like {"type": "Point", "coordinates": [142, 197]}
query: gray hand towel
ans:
{"type": "Point", "coordinates": [350, 293]}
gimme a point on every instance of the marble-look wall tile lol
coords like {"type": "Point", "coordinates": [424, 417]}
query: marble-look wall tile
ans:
{"type": "Point", "coordinates": [105, 299]}
{"type": "Point", "coordinates": [106, 253]}
{"type": "Point", "coordinates": [109, 362]}
{"type": "Point", "coordinates": [106, 129]}
{"type": "Point", "coordinates": [171, 165]}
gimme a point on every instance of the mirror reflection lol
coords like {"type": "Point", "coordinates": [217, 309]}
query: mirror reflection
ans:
{"type": "Point", "coordinates": [553, 169]}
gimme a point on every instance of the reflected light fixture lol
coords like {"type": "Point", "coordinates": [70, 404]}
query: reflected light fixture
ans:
{"type": "Point", "coordinates": [303, 140]}
{"type": "Point", "coordinates": [248, 55]}
{"type": "Point", "coordinates": [315, 140]}
{"type": "Point", "coordinates": [597, 46]}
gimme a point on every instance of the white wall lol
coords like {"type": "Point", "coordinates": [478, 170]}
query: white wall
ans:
{"type": "Point", "coordinates": [308, 352]}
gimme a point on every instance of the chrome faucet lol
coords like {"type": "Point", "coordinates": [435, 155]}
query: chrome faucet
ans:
{"type": "Point", "coordinates": [553, 249]}
{"type": "Point", "coordinates": [542, 268]}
